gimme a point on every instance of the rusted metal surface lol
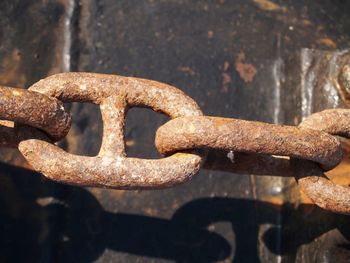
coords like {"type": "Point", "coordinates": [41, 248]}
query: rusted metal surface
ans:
{"type": "Point", "coordinates": [36, 110]}
{"type": "Point", "coordinates": [194, 46]}
{"type": "Point", "coordinates": [249, 137]}
{"type": "Point", "coordinates": [253, 137]}
{"type": "Point", "coordinates": [332, 121]}
{"type": "Point", "coordinates": [111, 168]}
{"type": "Point", "coordinates": [344, 82]}
{"type": "Point", "coordinates": [187, 131]}
{"type": "Point", "coordinates": [318, 187]}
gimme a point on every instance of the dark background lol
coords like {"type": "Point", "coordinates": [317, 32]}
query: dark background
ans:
{"type": "Point", "coordinates": [238, 58]}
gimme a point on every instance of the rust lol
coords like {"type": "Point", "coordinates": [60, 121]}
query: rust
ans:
{"type": "Point", "coordinates": [34, 109]}
{"type": "Point", "coordinates": [340, 174]}
{"type": "Point", "coordinates": [332, 121]}
{"type": "Point", "coordinates": [251, 145]}
{"type": "Point", "coordinates": [111, 168]}
{"type": "Point", "coordinates": [328, 42]}
{"type": "Point", "coordinates": [304, 152]}
{"type": "Point", "coordinates": [269, 6]}
{"type": "Point", "coordinates": [246, 71]}
{"type": "Point", "coordinates": [310, 177]}
{"type": "Point", "coordinates": [249, 137]}
{"type": "Point", "coordinates": [320, 189]}
{"type": "Point", "coordinates": [344, 82]}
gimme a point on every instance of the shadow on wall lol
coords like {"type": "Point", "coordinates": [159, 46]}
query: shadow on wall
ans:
{"type": "Point", "coordinates": [42, 221]}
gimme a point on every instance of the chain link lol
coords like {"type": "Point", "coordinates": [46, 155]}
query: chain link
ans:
{"type": "Point", "coordinates": [185, 140]}
{"type": "Point", "coordinates": [33, 109]}
{"type": "Point", "coordinates": [111, 167]}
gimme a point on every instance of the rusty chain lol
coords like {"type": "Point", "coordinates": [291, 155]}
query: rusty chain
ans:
{"type": "Point", "coordinates": [187, 140]}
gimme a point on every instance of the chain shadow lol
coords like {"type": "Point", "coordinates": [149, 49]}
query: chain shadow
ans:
{"type": "Point", "coordinates": [42, 221]}
{"type": "Point", "coordinates": [298, 226]}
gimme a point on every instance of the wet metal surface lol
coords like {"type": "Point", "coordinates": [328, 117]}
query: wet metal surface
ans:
{"type": "Point", "coordinates": [237, 59]}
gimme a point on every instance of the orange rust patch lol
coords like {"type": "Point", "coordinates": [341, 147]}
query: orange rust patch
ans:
{"type": "Point", "coordinates": [130, 143]}
{"type": "Point", "coordinates": [220, 121]}
{"type": "Point", "coordinates": [341, 173]}
{"type": "Point", "coordinates": [327, 42]}
{"type": "Point", "coordinates": [304, 199]}
{"type": "Point", "coordinates": [246, 71]}
{"type": "Point", "coordinates": [275, 200]}
{"type": "Point", "coordinates": [269, 6]}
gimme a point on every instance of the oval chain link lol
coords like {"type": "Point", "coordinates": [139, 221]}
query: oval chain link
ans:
{"type": "Point", "coordinates": [312, 141]}
{"type": "Point", "coordinates": [34, 109]}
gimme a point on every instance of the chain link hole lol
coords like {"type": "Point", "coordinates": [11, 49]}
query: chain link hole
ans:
{"type": "Point", "coordinates": [140, 131]}
{"type": "Point", "coordinates": [86, 127]}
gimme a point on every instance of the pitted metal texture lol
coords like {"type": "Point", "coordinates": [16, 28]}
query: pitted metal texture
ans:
{"type": "Point", "coordinates": [307, 150]}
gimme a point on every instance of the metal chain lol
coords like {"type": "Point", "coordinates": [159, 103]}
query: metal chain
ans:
{"type": "Point", "coordinates": [187, 141]}
{"type": "Point", "coordinates": [34, 109]}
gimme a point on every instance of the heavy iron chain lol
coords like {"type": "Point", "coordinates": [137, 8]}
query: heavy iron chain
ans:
{"type": "Point", "coordinates": [187, 140]}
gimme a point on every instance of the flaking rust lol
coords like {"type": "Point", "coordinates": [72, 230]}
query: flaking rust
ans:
{"type": "Point", "coordinates": [253, 143]}
{"type": "Point", "coordinates": [249, 137]}
{"type": "Point", "coordinates": [33, 109]}
{"type": "Point", "coordinates": [111, 168]}
{"type": "Point", "coordinates": [311, 147]}
{"type": "Point", "coordinates": [310, 177]}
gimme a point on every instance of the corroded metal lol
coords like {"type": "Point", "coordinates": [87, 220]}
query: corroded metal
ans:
{"type": "Point", "coordinates": [332, 121]}
{"type": "Point", "coordinates": [310, 177]}
{"type": "Point", "coordinates": [343, 82]}
{"type": "Point", "coordinates": [310, 143]}
{"type": "Point", "coordinates": [34, 109]}
{"type": "Point", "coordinates": [111, 168]}
{"type": "Point", "coordinates": [248, 136]}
